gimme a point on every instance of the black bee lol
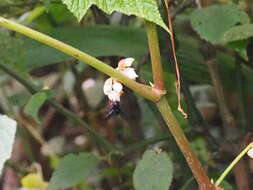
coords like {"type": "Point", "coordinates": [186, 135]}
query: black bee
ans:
{"type": "Point", "coordinates": [113, 109]}
{"type": "Point", "coordinates": [129, 110]}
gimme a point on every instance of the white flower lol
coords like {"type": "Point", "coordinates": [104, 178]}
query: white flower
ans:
{"type": "Point", "coordinates": [126, 62]}
{"type": "Point", "coordinates": [124, 66]}
{"type": "Point", "coordinates": [130, 73]}
{"type": "Point", "coordinates": [250, 153]}
{"type": "Point", "coordinates": [114, 96]}
{"type": "Point", "coordinates": [114, 89]}
{"type": "Point", "coordinates": [117, 87]}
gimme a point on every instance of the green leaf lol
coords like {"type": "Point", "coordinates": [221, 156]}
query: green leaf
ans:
{"type": "Point", "coordinates": [72, 170]}
{"type": "Point", "coordinates": [12, 52]}
{"type": "Point", "coordinates": [240, 46]}
{"type": "Point", "coordinates": [34, 104]}
{"type": "Point", "coordinates": [97, 41]}
{"type": "Point", "coordinates": [147, 9]}
{"type": "Point", "coordinates": [154, 171]}
{"type": "Point", "coordinates": [19, 99]}
{"type": "Point", "coordinates": [238, 33]}
{"type": "Point", "coordinates": [211, 23]}
{"type": "Point", "coordinates": [7, 136]}
{"type": "Point", "coordinates": [226, 185]}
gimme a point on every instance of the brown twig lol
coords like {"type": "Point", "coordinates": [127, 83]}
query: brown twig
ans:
{"type": "Point", "coordinates": [178, 86]}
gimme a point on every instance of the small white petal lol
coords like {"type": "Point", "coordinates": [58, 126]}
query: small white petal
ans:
{"type": "Point", "coordinates": [114, 96]}
{"type": "Point", "coordinates": [250, 153]}
{"type": "Point", "coordinates": [108, 86]}
{"type": "Point", "coordinates": [129, 62]}
{"type": "Point", "coordinates": [130, 73]}
{"type": "Point", "coordinates": [117, 87]}
{"type": "Point", "coordinates": [126, 62]}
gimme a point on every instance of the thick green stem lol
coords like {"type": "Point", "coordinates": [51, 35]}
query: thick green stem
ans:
{"type": "Point", "coordinates": [172, 123]}
{"type": "Point", "coordinates": [143, 90]}
{"type": "Point", "coordinates": [192, 160]}
{"type": "Point", "coordinates": [154, 49]}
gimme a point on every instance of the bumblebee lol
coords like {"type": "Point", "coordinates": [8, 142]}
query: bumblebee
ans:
{"type": "Point", "coordinates": [113, 109]}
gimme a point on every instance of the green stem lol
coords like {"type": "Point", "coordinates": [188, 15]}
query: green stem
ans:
{"type": "Point", "coordinates": [34, 89]}
{"type": "Point", "coordinates": [172, 123]}
{"type": "Point", "coordinates": [144, 90]}
{"type": "Point", "coordinates": [233, 163]}
{"type": "Point", "coordinates": [154, 49]}
{"type": "Point", "coordinates": [192, 160]}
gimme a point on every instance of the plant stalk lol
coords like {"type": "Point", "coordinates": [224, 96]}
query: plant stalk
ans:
{"type": "Point", "coordinates": [164, 108]}
{"type": "Point", "coordinates": [233, 163]}
{"type": "Point", "coordinates": [154, 49]}
{"type": "Point", "coordinates": [144, 90]}
{"type": "Point", "coordinates": [198, 171]}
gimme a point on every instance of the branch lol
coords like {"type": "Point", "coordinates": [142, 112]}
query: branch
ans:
{"type": "Point", "coordinates": [154, 49]}
{"type": "Point", "coordinates": [192, 160]}
{"type": "Point", "coordinates": [144, 90]}
{"type": "Point", "coordinates": [172, 123]}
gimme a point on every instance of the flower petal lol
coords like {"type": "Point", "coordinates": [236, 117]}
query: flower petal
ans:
{"type": "Point", "coordinates": [129, 72]}
{"type": "Point", "coordinates": [114, 96]}
{"type": "Point", "coordinates": [129, 62]}
{"type": "Point", "coordinates": [117, 87]}
{"type": "Point", "coordinates": [108, 86]}
{"type": "Point", "coordinates": [250, 153]}
{"type": "Point", "coordinates": [126, 62]}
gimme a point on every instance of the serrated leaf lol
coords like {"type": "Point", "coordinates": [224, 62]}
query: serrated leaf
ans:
{"type": "Point", "coordinates": [34, 104]}
{"type": "Point", "coordinates": [238, 33]}
{"type": "Point", "coordinates": [211, 23]}
{"type": "Point", "coordinates": [154, 171]}
{"type": "Point", "coordinates": [7, 137]}
{"type": "Point", "coordinates": [147, 9]}
{"type": "Point", "coordinates": [72, 170]}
